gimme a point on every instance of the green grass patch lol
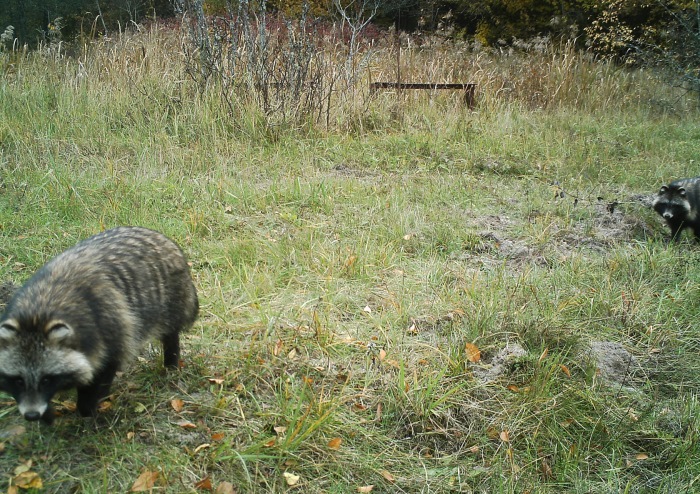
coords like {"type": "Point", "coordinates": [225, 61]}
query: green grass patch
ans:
{"type": "Point", "coordinates": [342, 272]}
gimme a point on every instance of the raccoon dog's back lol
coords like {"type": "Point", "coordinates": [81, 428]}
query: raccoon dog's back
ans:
{"type": "Point", "coordinates": [89, 311]}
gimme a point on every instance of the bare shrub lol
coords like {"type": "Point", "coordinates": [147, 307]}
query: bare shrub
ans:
{"type": "Point", "coordinates": [290, 69]}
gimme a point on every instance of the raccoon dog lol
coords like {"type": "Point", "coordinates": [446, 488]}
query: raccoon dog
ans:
{"type": "Point", "coordinates": [679, 204]}
{"type": "Point", "coordinates": [88, 311]}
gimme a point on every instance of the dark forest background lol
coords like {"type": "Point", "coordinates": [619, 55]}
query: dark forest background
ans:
{"type": "Point", "coordinates": [655, 32]}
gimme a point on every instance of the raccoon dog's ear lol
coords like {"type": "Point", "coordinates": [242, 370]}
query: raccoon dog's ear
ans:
{"type": "Point", "coordinates": [681, 191]}
{"type": "Point", "coordinates": [8, 330]}
{"type": "Point", "coordinates": [57, 331]}
{"type": "Point", "coordinates": [663, 190]}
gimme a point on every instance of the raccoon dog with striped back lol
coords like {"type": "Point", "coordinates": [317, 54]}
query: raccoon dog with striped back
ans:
{"type": "Point", "coordinates": [679, 204]}
{"type": "Point", "coordinates": [88, 311]}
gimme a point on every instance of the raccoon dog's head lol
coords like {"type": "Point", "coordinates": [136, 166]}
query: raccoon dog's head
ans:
{"type": "Point", "coordinates": [672, 203]}
{"type": "Point", "coordinates": [37, 360]}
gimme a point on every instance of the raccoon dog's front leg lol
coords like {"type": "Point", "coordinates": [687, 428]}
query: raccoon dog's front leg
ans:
{"type": "Point", "coordinates": [89, 396]}
{"type": "Point", "coordinates": [48, 416]}
{"type": "Point", "coordinates": [171, 350]}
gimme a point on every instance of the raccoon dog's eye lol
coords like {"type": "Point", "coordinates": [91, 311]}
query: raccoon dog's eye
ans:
{"type": "Point", "coordinates": [19, 381]}
{"type": "Point", "coordinates": [45, 381]}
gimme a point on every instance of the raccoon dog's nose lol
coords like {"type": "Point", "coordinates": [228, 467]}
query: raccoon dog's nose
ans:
{"type": "Point", "coordinates": [668, 216]}
{"type": "Point", "coordinates": [33, 416]}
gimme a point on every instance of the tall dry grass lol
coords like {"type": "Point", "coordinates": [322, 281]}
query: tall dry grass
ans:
{"type": "Point", "coordinates": [317, 85]}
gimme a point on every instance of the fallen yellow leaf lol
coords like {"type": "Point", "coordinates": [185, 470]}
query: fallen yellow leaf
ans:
{"type": "Point", "coordinates": [145, 482]}
{"type": "Point", "coordinates": [24, 467]}
{"type": "Point", "coordinates": [186, 424]}
{"type": "Point", "coordinates": [28, 480]}
{"type": "Point", "coordinates": [290, 478]}
{"type": "Point", "coordinates": [350, 261]}
{"type": "Point", "coordinates": [335, 443]}
{"type": "Point", "coordinates": [177, 404]}
{"type": "Point", "coordinates": [225, 488]}
{"type": "Point", "coordinates": [387, 476]}
{"type": "Point", "coordinates": [473, 352]}
{"type": "Point", "coordinates": [366, 488]}
{"type": "Point", "coordinates": [505, 436]}
{"type": "Point", "coordinates": [565, 370]}
{"type": "Point", "coordinates": [201, 447]}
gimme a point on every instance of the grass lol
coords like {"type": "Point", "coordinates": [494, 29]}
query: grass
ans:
{"type": "Point", "coordinates": [343, 270]}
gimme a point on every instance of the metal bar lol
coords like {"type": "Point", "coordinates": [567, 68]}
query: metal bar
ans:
{"type": "Point", "coordinates": [469, 88]}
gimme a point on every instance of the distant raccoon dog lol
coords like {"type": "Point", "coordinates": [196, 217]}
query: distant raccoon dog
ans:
{"type": "Point", "coordinates": [679, 204]}
{"type": "Point", "coordinates": [90, 310]}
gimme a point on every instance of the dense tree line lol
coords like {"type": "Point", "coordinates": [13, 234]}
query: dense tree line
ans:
{"type": "Point", "coordinates": [616, 28]}
{"type": "Point", "coordinates": [36, 20]}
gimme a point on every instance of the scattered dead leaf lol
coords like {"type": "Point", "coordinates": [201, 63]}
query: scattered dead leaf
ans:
{"type": "Point", "coordinates": [186, 424]}
{"type": "Point", "coordinates": [225, 488]}
{"type": "Point", "coordinates": [387, 476]}
{"type": "Point", "coordinates": [565, 370]}
{"type": "Point", "coordinates": [335, 443]}
{"type": "Point", "coordinates": [13, 431]}
{"type": "Point", "coordinates": [201, 447]}
{"type": "Point", "coordinates": [218, 436]}
{"type": "Point", "coordinates": [22, 468]}
{"type": "Point", "coordinates": [543, 356]}
{"type": "Point", "coordinates": [382, 354]}
{"type": "Point", "coordinates": [277, 349]}
{"type": "Point", "coordinates": [505, 436]}
{"type": "Point", "coordinates": [216, 380]}
{"type": "Point", "coordinates": [366, 488]}
{"type": "Point", "coordinates": [28, 480]}
{"type": "Point", "coordinates": [204, 484]}
{"type": "Point", "coordinates": [270, 443]}
{"type": "Point", "coordinates": [492, 432]}
{"type": "Point", "coordinates": [177, 404]}
{"type": "Point", "coordinates": [146, 481]}
{"type": "Point", "coordinates": [473, 352]}
{"type": "Point", "coordinates": [69, 406]}
{"type": "Point", "coordinates": [513, 388]}
{"type": "Point", "coordinates": [641, 456]}
{"type": "Point", "coordinates": [350, 261]}
{"type": "Point", "coordinates": [290, 478]}
{"type": "Point", "coordinates": [546, 470]}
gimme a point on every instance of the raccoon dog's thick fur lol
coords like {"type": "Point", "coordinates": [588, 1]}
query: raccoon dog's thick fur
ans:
{"type": "Point", "coordinates": [679, 204]}
{"type": "Point", "coordinates": [89, 311]}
